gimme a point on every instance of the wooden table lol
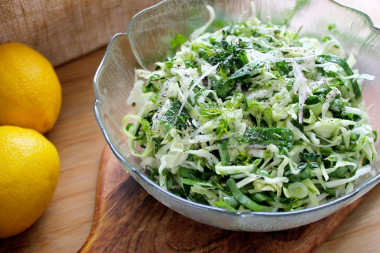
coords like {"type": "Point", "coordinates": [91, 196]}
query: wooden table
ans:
{"type": "Point", "coordinates": [66, 223]}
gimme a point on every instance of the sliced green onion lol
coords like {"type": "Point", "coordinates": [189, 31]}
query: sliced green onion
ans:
{"type": "Point", "coordinates": [224, 205]}
{"type": "Point", "coordinates": [223, 152]}
{"type": "Point", "coordinates": [230, 170]}
{"type": "Point", "coordinates": [311, 186]}
{"type": "Point", "coordinates": [245, 200]}
{"type": "Point", "coordinates": [298, 190]}
{"type": "Point", "coordinates": [196, 182]}
{"type": "Point", "coordinates": [231, 201]}
{"type": "Point", "coordinates": [261, 197]}
{"type": "Point", "coordinates": [313, 199]}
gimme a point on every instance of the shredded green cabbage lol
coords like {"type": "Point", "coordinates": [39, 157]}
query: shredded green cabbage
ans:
{"type": "Point", "coordinates": [252, 118]}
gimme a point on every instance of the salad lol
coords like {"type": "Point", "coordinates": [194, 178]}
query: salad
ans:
{"type": "Point", "coordinates": [252, 117]}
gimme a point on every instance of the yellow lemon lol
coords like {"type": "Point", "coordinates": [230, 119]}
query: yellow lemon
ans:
{"type": "Point", "coordinates": [30, 92]}
{"type": "Point", "coordinates": [29, 172]}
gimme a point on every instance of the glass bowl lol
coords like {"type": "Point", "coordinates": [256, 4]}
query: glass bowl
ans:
{"type": "Point", "coordinates": [146, 41]}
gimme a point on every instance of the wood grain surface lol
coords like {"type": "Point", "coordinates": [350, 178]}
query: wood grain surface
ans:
{"type": "Point", "coordinates": [127, 219]}
{"type": "Point", "coordinates": [66, 224]}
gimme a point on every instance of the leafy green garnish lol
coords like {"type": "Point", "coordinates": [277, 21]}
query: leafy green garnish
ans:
{"type": "Point", "coordinates": [331, 27]}
{"type": "Point", "coordinates": [177, 41]}
{"type": "Point", "coordinates": [223, 88]}
{"type": "Point", "coordinates": [248, 69]}
{"type": "Point", "coordinates": [223, 152]}
{"type": "Point", "coordinates": [265, 136]}
{"type": "Point", "coordinates": [170, 116]}
{"type": "Point", "coordinates": [341, 62]}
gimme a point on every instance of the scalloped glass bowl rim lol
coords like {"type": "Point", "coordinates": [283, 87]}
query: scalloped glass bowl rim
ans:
{"type": "Point", "coordinates": [368, 184]}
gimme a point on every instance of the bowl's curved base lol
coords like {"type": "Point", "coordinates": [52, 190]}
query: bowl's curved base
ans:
{"type": "Point", "coordinates": [128, 219]}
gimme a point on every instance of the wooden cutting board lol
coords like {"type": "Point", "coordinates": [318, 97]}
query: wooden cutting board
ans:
{"type": "Point", "coordinates": [127, 219]}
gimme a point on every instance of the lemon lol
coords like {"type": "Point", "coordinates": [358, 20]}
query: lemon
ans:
{"type": "Point", "coordinates": [30, 92]}
{"type": "Point", "coordinates": [29, 172]}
